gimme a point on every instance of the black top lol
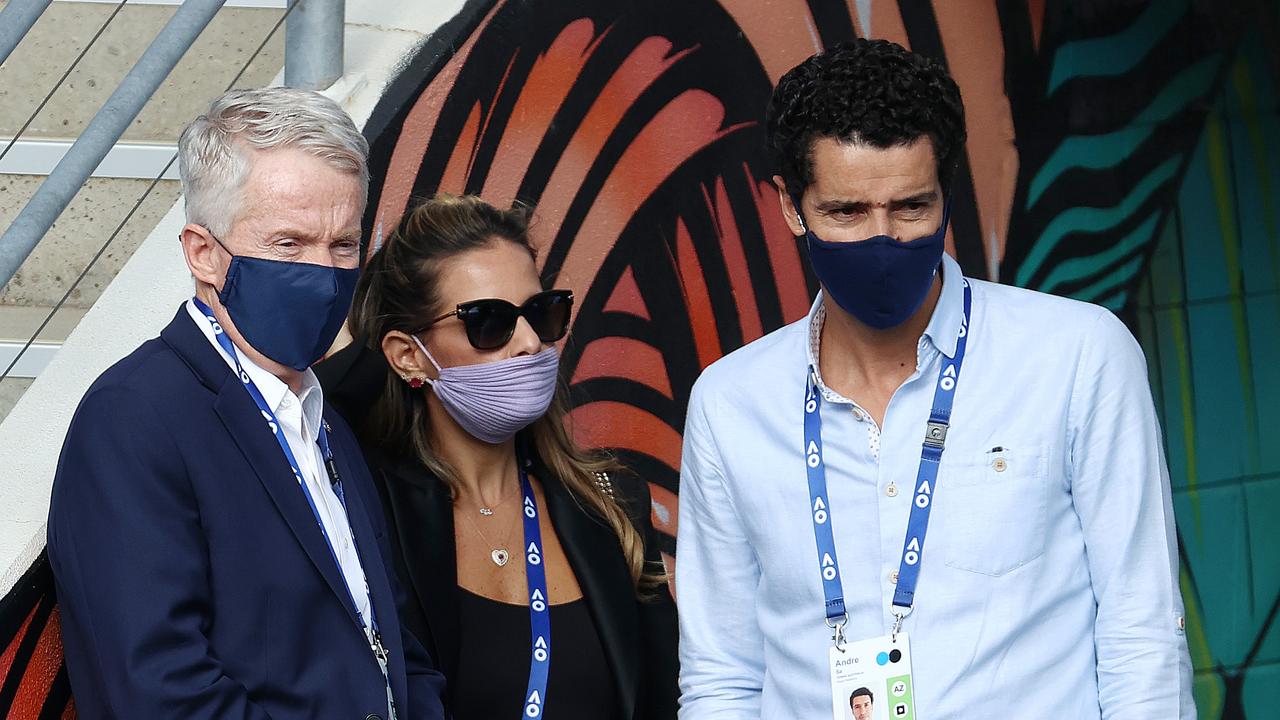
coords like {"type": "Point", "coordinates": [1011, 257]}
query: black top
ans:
{"type": "Point", "coordinates": [638, 637]}
{"type": "Point", "coordinates": [493, 666]}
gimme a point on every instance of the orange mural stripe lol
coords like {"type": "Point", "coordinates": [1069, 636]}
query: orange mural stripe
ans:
{"type": "Point", "coordinates": [978, 68]}
{"type": "Point", "coordinates": [1035, 8]}
{"type": "Point", "coordinates": [454, 178]}
{"type": "Point", "coordinates": [541, 95]}
{"type": "Point", "coordinates": [488, 115]}
{"type": "Point", "coordinates": [6, 660]}
{"type": "Point", "coordinates": [886, 22]}
{"type": "Point", "coordinates": [784, 256]}
{"type": "Point", "coordinates": [626, 297]}
{"type": "Point", "coordinates": [37, 676]}
{"type": "Point", "coordinates": [735, 259]}
{"type": "Point", "coordinates": [419, 125]}
{"type": "Point", "coordinates": [670, 507]}
{"type": "Point", "coordinates": [684, 126]}
{"type": "Point", "coordinates": [782, 32]}
{"type": "Point", "coordinates": [646, 63]}
{"type": "Point", "coordinates": [697, 299]}
{"type": "Point", "coordinates": [627, 358]}
{"type": "Point", "coordinates": [606, 423]}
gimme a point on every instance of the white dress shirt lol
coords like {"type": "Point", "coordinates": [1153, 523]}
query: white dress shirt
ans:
{"type": "Point", "coordinates": [1049, 580]}
{"type": "Point", "coordinates": [300, 417]}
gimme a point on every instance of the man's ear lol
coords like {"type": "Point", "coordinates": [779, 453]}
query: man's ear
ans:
{"type": "Point", "coordinates": [790, 213]}
{"type": "Point", "coordinates": [404, 357]}
{"type": "Point", "coordinates": [205, 259]}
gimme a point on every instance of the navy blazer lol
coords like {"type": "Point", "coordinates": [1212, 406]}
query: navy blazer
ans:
{"type": "Point", "coordinates": [193, 579]}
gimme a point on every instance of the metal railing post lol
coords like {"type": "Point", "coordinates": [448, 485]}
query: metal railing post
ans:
{"type": "Point", "coordinates": [313, 45]}
{"type": "Point", "coordinates": [15, 20]}
{"type": "Point", "coordinates": [26, 230]}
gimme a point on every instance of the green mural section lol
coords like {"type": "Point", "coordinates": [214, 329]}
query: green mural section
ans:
{"type": "Point", "coordinates": [1208, 315]}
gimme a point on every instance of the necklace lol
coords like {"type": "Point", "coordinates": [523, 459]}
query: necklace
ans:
{"type": "Point", "coordinates": [487, 510]}
{"type": "Point", "coordinates": [498, 554]}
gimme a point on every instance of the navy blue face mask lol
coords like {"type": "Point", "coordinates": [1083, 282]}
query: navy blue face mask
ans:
{"type": "Point", "coordinates": [879, 281]}
{"type": "Point", "coordinates": [288, 311]}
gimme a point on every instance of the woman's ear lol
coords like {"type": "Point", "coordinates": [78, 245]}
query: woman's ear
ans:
{"type": "Point", "coordinates": [404, 356]}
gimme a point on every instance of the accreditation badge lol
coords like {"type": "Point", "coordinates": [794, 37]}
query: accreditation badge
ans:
{"type": "Point", "coordinates": [871, 680]}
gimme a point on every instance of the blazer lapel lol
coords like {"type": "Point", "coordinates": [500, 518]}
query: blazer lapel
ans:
{"type": "Point", "coordinates": [375, 572]}
{"type": "Point", "coordinates": [245, 424]}
{"type": "Point", "coordinates": [596, 558]}
{"type": "Point", "coordinates": [422, 513]}
{"type": "Point", "coordinates": [249, 431]}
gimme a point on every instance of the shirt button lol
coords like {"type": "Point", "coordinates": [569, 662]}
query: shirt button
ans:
{"type": "Point", "coordinates": [891, 490]}
{"type": "Point", "coordinates": [1182, 623]}
{"type": "Point", "coordinates": [1000, 465]}
{"type": "Point", "coordinates": [893, 577]}
{"type": "Point", "coordinates": [859, 414]}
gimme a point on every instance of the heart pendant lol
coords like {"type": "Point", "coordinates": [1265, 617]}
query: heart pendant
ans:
{"type": "Point", "coordinates": [500, 557]}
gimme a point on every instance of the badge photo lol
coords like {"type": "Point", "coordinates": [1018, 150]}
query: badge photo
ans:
{"type": "Point", "coordinates": [871, 680]}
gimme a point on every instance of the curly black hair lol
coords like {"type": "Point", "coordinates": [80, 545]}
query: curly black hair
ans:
{"type": "Point", "coordinates": [865, 91]}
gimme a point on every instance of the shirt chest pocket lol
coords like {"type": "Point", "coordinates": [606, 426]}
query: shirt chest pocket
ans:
{"type": "Point", "coordinates": [992, 509]}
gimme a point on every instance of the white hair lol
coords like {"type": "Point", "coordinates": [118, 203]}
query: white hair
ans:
{"type": "Point", "coordinates": [215, 150]}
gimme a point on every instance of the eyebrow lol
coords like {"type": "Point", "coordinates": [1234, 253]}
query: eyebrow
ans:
{"type": "Point", "coordinates": [305, 236]}
{"type": "Point", "coordinates": [926, 197]}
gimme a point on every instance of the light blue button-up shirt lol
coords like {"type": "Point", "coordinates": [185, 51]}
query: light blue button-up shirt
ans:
{"type": "Point", "coordinates": [1049, 584]}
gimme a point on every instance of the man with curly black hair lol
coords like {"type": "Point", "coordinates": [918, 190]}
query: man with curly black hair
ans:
{"type": "Point", "coordinates": [1048, 587]}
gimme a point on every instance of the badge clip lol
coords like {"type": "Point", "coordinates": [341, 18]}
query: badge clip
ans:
{"type": "Point", "coordinates": [837, 631]}
{"type": "Point", "coordinates": [899, 616]}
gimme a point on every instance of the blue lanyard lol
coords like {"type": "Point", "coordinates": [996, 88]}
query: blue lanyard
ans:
{"type": "Point", "coordinates": [539, 614]}
{"type": "Point", "coordinates": [926, 482]}
{"type": "Point", "coordinates": [325, 450]}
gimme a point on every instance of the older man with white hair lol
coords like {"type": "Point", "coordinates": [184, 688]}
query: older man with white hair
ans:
{"type": "Point", "coordinates": [216, 540]}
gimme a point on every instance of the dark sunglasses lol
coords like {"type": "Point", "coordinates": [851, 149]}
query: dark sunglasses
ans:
{"type": "Point", "coordinates": [490, 323]}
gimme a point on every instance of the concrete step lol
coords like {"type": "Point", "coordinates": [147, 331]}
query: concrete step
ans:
{"type": "Point", "coordinates": [17, 326]}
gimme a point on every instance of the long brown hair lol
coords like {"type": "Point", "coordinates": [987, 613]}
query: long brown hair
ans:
{"type": "Point", "coordinates": [399, 289]}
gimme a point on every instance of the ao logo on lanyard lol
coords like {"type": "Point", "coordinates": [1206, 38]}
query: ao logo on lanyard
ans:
{"type": "Point", "coordinates": [369, 626]}
{"type": "Point", "coordinates": [926, 481]}
{"type": "Point", "coordinates": [879, 667]}
{"type": "Point", "coordinates": [539, 613]}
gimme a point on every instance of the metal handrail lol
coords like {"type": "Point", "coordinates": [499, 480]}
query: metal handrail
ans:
{"type": "Point", "coordinates": [56, 192]}
{"type": "Point", "coordinates": [65, 74]}
{"type": "Point", "coordinates": [15, 20]}
{"type": "Point", "coordinates": [313, 49]}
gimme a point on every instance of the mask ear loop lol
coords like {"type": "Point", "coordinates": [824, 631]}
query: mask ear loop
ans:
{"type": "Point", "coordinates": [795, 205]}
{"type": "Point", "coordinates": [427, 352]}
{"type": "Point", "coordinates": [233, 256]}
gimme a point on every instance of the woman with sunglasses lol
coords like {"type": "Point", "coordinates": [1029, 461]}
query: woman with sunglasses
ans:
{"type": "Point", "coordinates": [536, 583]}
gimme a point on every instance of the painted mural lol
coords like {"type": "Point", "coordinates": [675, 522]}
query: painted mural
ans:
{"type": "Point", "coordinates": [33, 679]}
{"type": "Point", "coordinates": [1125, 153]}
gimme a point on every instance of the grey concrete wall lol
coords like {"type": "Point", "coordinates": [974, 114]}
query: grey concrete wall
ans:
{"type": "Point", "coordinates": [65, 28]}
{"type": "Point", "coordinates": [93, 215]}
{"type": "Point", "coordinates": [32, 71]}
{"type": "Point", "coordinates": [11, 389]}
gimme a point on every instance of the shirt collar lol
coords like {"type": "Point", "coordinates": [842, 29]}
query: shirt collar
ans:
{"type": "Point", "coordinates": [942, 331]}
{"type": "Point", "coordinates": [273, 389]}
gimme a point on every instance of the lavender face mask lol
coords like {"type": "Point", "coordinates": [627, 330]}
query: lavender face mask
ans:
{"type": "Point", "coordinates": [495, 400]}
